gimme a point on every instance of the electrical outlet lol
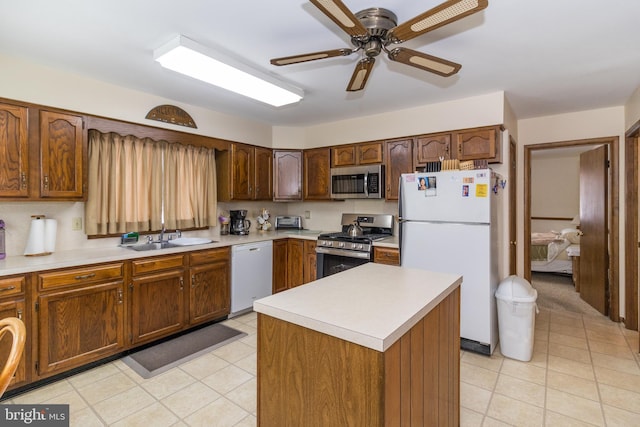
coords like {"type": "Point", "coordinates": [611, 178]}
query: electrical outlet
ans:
{"type": "Point", "coordinates": [307, 214]}
{"type": "Point", "coordinates": [76, 224]}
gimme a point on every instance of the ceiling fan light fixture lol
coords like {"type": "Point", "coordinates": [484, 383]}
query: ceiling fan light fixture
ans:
{"type": "Point", "coordinates": [187, 57]}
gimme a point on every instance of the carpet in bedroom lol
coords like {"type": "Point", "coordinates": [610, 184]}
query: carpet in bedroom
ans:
{"type": "Point", "coordinates": [556, 292]}
{"type": "Point", "coordinates": [161, 357]}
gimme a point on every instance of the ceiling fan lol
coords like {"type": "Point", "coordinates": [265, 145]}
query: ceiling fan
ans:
{"type": "Point", "coordinates": [375, 29]}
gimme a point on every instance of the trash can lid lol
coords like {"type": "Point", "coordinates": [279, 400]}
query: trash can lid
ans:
{"type": "Point", "coordinates": [515, 288]}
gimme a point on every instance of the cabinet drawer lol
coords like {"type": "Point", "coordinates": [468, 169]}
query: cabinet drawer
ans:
{"type": "Point", "coordinates": [148, 265]}
{"type": "Point", "coordinates": [209, 255]}
{"type": "Point", "coordinates": [388, 256]}
{"type": "Point", "coordinates": [80, 276]}
{"type": "Point", "coordinates": [12, 286]}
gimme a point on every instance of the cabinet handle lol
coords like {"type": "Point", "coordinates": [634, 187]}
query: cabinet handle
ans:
{"type": "Point", "coordinates": [182, 283]}
{"type": "Point", "coordinates": [193, 280]}
{"type": "Point", "coordinates": [119, 296]}
{"type": "Point", "coordinates": [86, 276]}
{"type": "Point", "coordinates": [23, 179]}
{"type": "Point", "coordinates": [20, 314]}
{"type": "Point", "coordinates": [46, 182]}
{"type": "Point", "coordinates": [8, 288]}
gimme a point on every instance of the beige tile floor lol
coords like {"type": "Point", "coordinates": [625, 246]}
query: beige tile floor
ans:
{"type": "Point", "coordinates": [584, 372]}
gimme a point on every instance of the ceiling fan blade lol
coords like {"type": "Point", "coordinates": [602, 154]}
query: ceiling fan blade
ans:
{"type": "Point", "coordinates": [342, 16]}
{"type": "Point", "coordinates": [311, 56]}
{"type": "Point", "coordinates": [423, 61]}
{"type": "Point", "coordinates": [445, 13]}
{"type": "Point", "coordinates": [361, 74]}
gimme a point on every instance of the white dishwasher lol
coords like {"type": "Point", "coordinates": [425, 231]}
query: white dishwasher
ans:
{"type": "Point", "coordinates": [251, 274]}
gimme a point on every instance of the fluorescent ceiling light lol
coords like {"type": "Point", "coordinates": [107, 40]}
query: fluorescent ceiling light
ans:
{"type": "Point", "coordinates": [188, 57]}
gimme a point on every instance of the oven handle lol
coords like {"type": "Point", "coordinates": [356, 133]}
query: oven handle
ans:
{"type": "Point", "coordinates": [343, 252]}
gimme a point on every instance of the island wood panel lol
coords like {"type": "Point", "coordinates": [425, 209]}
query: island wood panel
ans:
{"type": "Point", "coordinates": [312, 379]}
{"type": "Point", "coordinates": [422, 370]}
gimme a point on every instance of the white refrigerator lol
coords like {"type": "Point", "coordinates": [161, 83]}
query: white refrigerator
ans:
{"type": "Point", "coordinates": [449, 223]}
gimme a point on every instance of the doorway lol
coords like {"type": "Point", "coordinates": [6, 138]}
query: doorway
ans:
{"type": "Point", "coordinates": [611, 143]}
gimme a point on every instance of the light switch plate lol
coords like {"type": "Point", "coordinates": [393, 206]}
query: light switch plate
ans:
{"type": "Point", "coordinates": [76, 224]}
{"type": "Point", "coordinates": [307, 214]}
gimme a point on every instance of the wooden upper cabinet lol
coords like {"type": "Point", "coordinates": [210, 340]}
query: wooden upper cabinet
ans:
{"type": "Point", "coordinates": [399, 155]}
{"type": "Point", "coordinates": [244, 172]}
{"type": "Point", "coordinates": [430, 148]}
{"type": "Point", "coordinates": [479, 144]}
{"type": "Point", "coordinates": [317, 174]}
{"type": "Point", "coordinates": [14, 151]}
{"type": "Point", "coordinates": [369, 153]}
{"type": "Point", "coordinates": [62, 155]}
{"type": "Point", "coordinates": [365, 153]}
{"type": "Point", "coordinates": [263, 174]}
{"type": "Point", "coordinates": [287, 175]}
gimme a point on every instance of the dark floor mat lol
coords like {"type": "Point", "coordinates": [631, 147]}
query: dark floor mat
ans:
{"type": "Point", "coordinates": [164, 356]}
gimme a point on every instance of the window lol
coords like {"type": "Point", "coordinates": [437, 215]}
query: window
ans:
{"type": "Point", "coordinates": [138, 184]}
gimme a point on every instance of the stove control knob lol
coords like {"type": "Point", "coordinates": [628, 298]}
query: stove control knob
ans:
{"type": "Point", "coordinates": [341, 244]}
{"type": "Point", "coordinates": [360, 246]}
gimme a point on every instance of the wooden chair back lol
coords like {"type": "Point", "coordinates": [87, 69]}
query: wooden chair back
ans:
{"type": "Point", "coordinates": [16, 328]}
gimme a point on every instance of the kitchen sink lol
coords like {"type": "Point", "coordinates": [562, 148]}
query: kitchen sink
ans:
{"type": "Point", "coordinates": [190, 241]}
{"type": "Point", "coordinates": [151, 246]}
{"type": "Point", "coordinates": [175, 243]}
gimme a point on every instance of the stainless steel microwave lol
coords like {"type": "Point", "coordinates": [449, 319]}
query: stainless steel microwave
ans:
{"type": "Point", "coordinates": [358, 182]}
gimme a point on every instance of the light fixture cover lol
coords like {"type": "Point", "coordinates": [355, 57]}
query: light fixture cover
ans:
{"type": "Point", "coordinates": [187, 57]}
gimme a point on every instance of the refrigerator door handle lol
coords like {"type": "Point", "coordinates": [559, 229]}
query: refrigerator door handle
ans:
{"type": "Point", "coordinates": [400, 219]}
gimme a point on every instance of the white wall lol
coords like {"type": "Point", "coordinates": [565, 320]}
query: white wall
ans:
{"type": "Point", "coordinates": [632, 109]}
{"type": "Point", "coordinates": [604, 122]}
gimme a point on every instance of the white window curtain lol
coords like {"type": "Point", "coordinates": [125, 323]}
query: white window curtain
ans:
{"type": "Point", "coordinates": [140, 184]}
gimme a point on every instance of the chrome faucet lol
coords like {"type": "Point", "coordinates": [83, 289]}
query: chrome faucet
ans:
{"type": "Point", "coordinates": [161, 237]}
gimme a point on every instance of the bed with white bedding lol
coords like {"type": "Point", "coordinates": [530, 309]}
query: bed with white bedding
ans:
{"type": "Point", "coordinates": [549, 250]}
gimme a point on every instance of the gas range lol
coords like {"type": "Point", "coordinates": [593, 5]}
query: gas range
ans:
{"type": "Point", "coordinates": [374, 227]}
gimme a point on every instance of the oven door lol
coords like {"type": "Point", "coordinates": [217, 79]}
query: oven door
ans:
{"type": "Point", "coordinates": [331, 261]}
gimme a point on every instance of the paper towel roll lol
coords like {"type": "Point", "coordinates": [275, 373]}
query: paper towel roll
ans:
{"type": "Point", "coordinates": [35, 242]}
{"type": "Point", "coordinates": [50, 230]}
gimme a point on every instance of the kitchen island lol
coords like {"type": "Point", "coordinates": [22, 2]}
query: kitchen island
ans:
{"type": "Point", "coordinates": [375, 345]}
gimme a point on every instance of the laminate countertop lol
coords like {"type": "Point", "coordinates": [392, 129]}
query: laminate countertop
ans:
{"type": "Point", "coordinates": [372, 305]}
{"type": "Point", "coordinates": [20, 264]}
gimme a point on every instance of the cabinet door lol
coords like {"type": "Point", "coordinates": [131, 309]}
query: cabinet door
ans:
{"type": "Point", "coordinates": [430, 148]}
{"type": "Point", "coordinates": [62, 155]}
{"type": "Point", "coordinates": [343, 156]}
{"type": "Point", "coordinates": [157, 305]}
{"type": "Point", "coordinates": [242, 167]}
{"type": "Point", "coordinates": [79, 326]}
{"type": "Point", "coordinates": [389, 256]}
{"type": "Point", "coordinates": [479, 144]}
{"type": "Point", "coordinates": [263, 173]}
{"type": "Point", "coordinates": [399, 160]}
{"type": "Point", "coordinates": [287, 168]}
{"type": "Point", "coordinates": [295, 261]}
{"type": "Point", "coordinates": [14, 151]}
{"type": "Point", "coordinates": [209, 291]}
{"type": "Point", "coordinates": [317, 178]}
{"type": "Point", "coordinates": [14, 309]}
{"type": "Point", "coordinates": [309, 271]}
{"type": "Point", "coordinates": [369, 153]}
{"type": "Point", "coordinates": [279, 265]}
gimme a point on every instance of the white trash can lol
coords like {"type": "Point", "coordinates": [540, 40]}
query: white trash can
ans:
{"type": "Point", "coordinates": [517, 310]}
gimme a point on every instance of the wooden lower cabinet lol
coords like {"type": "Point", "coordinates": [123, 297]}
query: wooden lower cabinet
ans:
{"type": "Point", "coordinates": [309, 267]}
{"type": "Point", "coordinates": [209, 285]}
{"type": "Point", "coordinates": [157, 305]}
{"type": "Point", "coordinates": [280, 266]}
{"type": "Point", "coordinates": [389, 256]}
{"type": "Point", "coordinates": [78, 325]}
{"type": "Point", "coordinates": [12, 304]}
{"type": "Point", "coordinates": [295, 263]}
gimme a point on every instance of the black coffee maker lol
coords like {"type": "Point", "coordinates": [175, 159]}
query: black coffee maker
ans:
{"type": "Point", "coordinates": [239, 224]}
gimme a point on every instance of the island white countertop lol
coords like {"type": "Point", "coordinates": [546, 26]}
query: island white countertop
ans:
{"type": "Point", "coordinates": [372, 305]}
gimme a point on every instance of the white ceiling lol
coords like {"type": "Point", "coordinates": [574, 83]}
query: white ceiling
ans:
{"type": "Point", "coordinates": [549, 56]}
